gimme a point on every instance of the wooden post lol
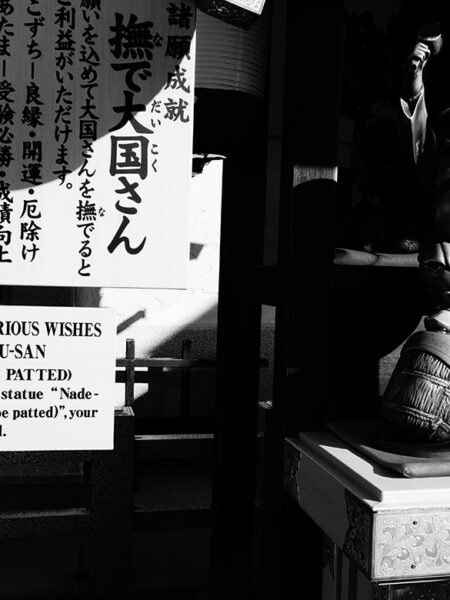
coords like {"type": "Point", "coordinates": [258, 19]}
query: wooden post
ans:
{"type": "Point", "coordinates": [129, 373]}
{"type": "Point", "coordinates": [237, 396]}
{"type": "Point", "coordinates": [111, 509]}
{"type": "Point", "coordinates": [238, 347]}
{"type": "Point", "coordinates": [305, 260]}
{"type": "Point", "coordinates": [185, 386]}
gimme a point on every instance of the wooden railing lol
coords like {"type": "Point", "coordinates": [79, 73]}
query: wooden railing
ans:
{"type": "Point", "coordinates": [108, 517]}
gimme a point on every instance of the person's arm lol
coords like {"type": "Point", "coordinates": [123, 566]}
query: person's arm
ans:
{"type": "Point", "coordinates": [415, 116]}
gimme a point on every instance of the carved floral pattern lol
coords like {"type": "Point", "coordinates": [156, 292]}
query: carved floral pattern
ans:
{"type": "Point", "coordinates": [358, 536]}
{"type": "Point", "coordinates": [412, 544]}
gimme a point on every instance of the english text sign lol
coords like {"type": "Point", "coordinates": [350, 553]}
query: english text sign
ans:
{"type": "Point", "coordinates": [57, 374]}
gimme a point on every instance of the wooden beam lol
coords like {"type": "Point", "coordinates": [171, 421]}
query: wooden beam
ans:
{"type": "Point", "coordinates": [175, 446]}
{"type": "Point", "coordinates": [166, 363]}
{"type": "Point", "coordinates": [27, 523]}
{"type": "Point", "coordinates": [171, 517]}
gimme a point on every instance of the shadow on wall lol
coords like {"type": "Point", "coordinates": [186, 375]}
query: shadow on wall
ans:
{"type": "Point", "coordinates": [182, 399]}
{"type": "Point", "coordinates": [174, 397]}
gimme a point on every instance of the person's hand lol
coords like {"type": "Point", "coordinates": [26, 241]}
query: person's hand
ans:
{"type": "Point", "coordinates": [413, 80]}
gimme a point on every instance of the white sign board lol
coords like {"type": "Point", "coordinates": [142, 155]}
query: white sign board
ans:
{"type": "Point", "coordinates": [255, 6]}
{"type": "Point", "coordinates": [57, 374]}
{"type": "Point", "coordinates": [96, 111]}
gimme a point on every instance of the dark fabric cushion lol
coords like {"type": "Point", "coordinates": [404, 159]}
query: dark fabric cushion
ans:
{"type": "Point", "coordinates": [370, 438]}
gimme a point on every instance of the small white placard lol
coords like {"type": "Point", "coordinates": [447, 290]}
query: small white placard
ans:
{"type": "Point", "coordinates": [57, 374]}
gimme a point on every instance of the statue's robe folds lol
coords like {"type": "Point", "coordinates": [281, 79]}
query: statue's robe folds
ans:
{"type": "Point", "coordinates": [427, 150]}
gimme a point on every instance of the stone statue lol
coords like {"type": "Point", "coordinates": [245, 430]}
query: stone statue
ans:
{"type": "Point", "coordinates": [416, 404]}
{"type": "Point", "coordinates": [430, 151]}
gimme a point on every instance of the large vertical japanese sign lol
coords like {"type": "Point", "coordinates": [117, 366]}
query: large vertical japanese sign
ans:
{"type": "Point", "coordinates": [96, 110]}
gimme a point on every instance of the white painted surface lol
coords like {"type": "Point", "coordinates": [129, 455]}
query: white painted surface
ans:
{"type": "Point", "coordinates": [175, 309]}
{"type": "Point", "coordinates": [378, 487]}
